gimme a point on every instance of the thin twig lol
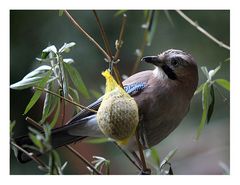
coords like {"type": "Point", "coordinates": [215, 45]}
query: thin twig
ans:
{"type": "Point", "coordinates": [107, 46]}
{"type": "Point", "coordinates": [30, 155]}
{"type": "Point", "coordinates": [140, 54]}
{"type": "Point", "coordinates": [125, 153]}
{"type": "Point", "coordinates": [103, 34]}
{"type": "Point", "coordinates": [199, 28]}
{"type": "Point", "coordinates": [86, 34]}
{"type": "Point", "coordinates": [34, 123]}
{"type": "Point", "coordinates": [144, 166]}
{"type": "Point", "coordinates": [83, 159]}
{"type": "Point", "coordinates": [72, 102]}
{"type": "Point", "coordinates": [119, 44]}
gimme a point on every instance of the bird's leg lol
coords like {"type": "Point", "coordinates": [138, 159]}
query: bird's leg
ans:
{"type": "Point", "coordinates": [134, 154]}
{"type": "Point", "coordinates": [125, 153]}
{"type": "Point", "coordinates": [145, 170]}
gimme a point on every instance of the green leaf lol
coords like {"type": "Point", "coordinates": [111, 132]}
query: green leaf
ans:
{"type": "Point", "coordinates": [205, 93]}
{"type": "Point", "coordinates": [75, 97]}
{"type": "Point", "coordinates": [211, 106]}
{"type": "Point", "coordinates": [166, 12]}
{"type": "Point", "coordinates": [95, 94]}
{"type": "Point", "coordinates": [50, 103]}
{"type": "Point", "coordinates": [37, 93]}
{"type": "Point", "coordinates": [32, 78]}
{"type": "Point", "coordinates": [49, 49]}
{"type": "Point", "coordinates": [77, 80]}
{"type": "Point", "coordinates": [168, 157]}
{"type": "Point", "coordinates": [155, 156]}
{"type": "Point", "coordinates": [152, 26]}
{"type": "Point", "coordinates": [66, 47]}
{"type": "Point", "coordinates": [120, 12]}
{"type": "Point", "coordinates": [64, 79]}
{"type": "Point", "coordinates": [213, 72]}
{"type": "Point", "coordinates": [205, 71]}
{"type": "Point", "coordinates": [68, 60]}
{"type": "Point", "coordinates": [64, 166]}
{"type": "Point", "coordinates": [223, 83]}
{"type": "Point", "coordinates": [199, 89]}
{"type": "Point", "coordinates": [36, 141]}
{"type": "Point", "coordinates": [46, 60]}
{"type": "Point", "coordinates": [12, 125]}
{"type": "Point", "coordinates": [97, 140]}
{"type": "Point", "coordinates": [56, 115]}
{"type": "Point", "coordinates": [60, 13]}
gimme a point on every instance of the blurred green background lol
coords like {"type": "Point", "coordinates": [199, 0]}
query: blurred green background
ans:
{"type": "Point", "coordinates": [32, 31]}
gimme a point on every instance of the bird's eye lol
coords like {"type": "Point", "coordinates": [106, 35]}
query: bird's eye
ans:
{"type": "Point", "coordinates": [174, 62]}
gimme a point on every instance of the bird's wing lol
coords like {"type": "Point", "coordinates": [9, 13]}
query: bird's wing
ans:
{"type": "Point", "coordinates": [132, 89]}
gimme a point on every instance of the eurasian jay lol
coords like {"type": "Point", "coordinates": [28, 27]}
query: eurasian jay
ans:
{"type": "Point", "coordinates": [163, 97]}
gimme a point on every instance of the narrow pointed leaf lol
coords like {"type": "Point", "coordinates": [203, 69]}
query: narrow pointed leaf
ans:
{"type": "Point", "coordinates": [211, 106]}
{"type": "Point", "coordinates": [64, 79]}
{"type": "Point", "coordinates": [152, 27]}
{"type": "Point", "coordinates": [12, 125]}
{"type": "Point", "coordinates": [205, 71]}
{"type": "Point", "coordinates": [37, 93]}
{"type": "Point", "coordinates": [155, 156]}
{"type": "Point", "coordinates": [120, 12]}
{"type": "Point", "coordinates": [50, 103]}
{"type": "Point", "coordinates": [37, 142]}
{"type": "Point", "coordinates": [60, 13]}
{"type": "Point", "coordinates": [213, 72]}
{"type": "Point", "coordinates": [32, 78]}
{"type": "Point", "coordinates": [77, 80]}
{"type": "Point", "coordinates": [66, 47]}
{"type": "Point", "coordinates": [168, 157]}
{"type": "Point", "coordinates": [205, 93]}
{"type": "Point", "coordinates": [223, 83]}
{"type": "Point", "coordinates": [95, 94]}
{"type": "Point", "coordinates": [56, 115]}
{"type": "Point", "coordinates": [166, 12]}
{"type": "Point", "coordinates": [199, 89]}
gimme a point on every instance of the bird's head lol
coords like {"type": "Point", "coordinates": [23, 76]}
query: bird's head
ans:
{"type": "Point", "coordinates": [176, 65]}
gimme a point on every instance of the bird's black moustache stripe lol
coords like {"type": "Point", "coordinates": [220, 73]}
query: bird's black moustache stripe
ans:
{"type": "Point", "coordinates": [169, 72]}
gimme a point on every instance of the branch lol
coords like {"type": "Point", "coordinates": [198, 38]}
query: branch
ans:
{"type": "Point", "coordinates": [30, 155]}
{"type": "Point", "coordinates": [199, 28]}
{"type": "Point", "coordinates": [83, 159]}
{"type": "Point", "coordinates": [72, 102]}
{"type": "Point", "coordinates": [131, 160]}
{"type": "Point", "coordinates": [144, 166]}
{"type": "Point", "coordinates": [86, 34]}
{"type": "Point", "coordinates": [106, 43]}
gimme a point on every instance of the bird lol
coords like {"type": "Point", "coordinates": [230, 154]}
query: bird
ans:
{"type": "Point", "coordinates": [163, 96]}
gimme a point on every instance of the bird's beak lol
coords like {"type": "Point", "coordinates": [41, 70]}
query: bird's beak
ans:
{"type": "Point", "coordinates": [155, 60]}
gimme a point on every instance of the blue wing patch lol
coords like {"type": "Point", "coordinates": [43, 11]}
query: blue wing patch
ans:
{"type": "Point", "coordinates": [134, 88]}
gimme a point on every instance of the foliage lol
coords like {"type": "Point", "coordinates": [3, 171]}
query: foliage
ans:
{"type": "Point", "coordinates": [208, 95]}
{"type": "Point", "coordinates": [57, 74]}
{"type": "Point", "coordinates": [159, 165]}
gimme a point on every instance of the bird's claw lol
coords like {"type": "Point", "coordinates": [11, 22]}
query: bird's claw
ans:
{"type": "Point", "coordinates": [145, 172]}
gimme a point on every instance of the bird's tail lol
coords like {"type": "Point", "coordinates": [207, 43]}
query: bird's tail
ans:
{"type": "Point", "coordinates": [59, 137]}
